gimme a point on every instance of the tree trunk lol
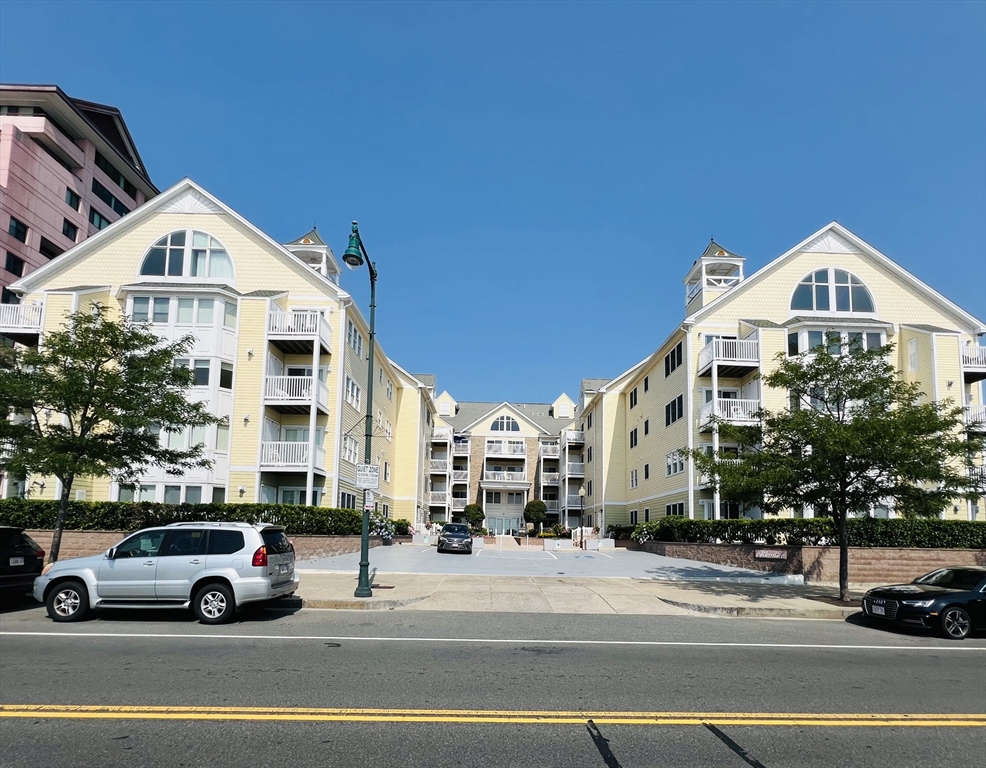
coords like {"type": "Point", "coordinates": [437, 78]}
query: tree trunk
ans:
{"type": "Point", "coordinates": [843, 558]}
{"type": "Point", "coordinates": [56, 538]}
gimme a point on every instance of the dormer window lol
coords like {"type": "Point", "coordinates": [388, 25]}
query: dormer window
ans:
{"type": "Point", "coordinates": [188, 254]}
{"type": "Point", "coordinates": [828, 290]}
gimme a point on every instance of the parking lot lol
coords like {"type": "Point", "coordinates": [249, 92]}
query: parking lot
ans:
{"type": "Point", "coordinates": [493, 561]}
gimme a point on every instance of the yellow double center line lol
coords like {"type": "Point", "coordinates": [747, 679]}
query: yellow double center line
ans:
{"type": "Point", "coordinates": [334, 715]}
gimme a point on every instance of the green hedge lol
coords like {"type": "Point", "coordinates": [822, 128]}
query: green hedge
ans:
{"type": "Point", "coordinates": [131, 516]}
{"type": "Point", "coordinates": [863, 532]}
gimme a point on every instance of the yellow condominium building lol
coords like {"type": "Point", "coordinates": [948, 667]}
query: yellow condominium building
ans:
{"type": "Point", "coordinates": [280, 351]}
{"type": "Point", "coordinates": [734, 325]}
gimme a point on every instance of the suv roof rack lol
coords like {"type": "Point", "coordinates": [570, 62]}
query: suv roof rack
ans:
{"type": "Point", "coordinates": [209, 522]}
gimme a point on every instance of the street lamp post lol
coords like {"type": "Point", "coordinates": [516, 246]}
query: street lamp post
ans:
{"type": "Point", "coordinates": [354, 257]}
{"type": "Point", "coordinates": [581, 515]}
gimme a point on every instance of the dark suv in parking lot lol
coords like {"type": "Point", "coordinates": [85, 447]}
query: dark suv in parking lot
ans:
{"type": "Point", "coordinates": [455, 537]}
{"type": "Point", "coordinates": [21, 560]}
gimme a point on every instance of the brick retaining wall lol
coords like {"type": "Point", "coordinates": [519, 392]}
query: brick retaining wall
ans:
{"type": "Point", "coordinates": [83, 543]}
{"type": "Point", "coordinates": [867, 565]}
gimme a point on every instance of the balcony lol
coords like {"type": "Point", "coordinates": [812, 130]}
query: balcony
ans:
{"type": "Point", "coordinates": [21, 322]}
{"type": "Point", "coordinates": [505, 448]}
{"type": "Point", "coordinates": [734, 357]}
{"type": "Point", "coordinates": [978, 476]}
{"type": "Point", "coordinates": [295, 394]}
{"type": "Point", "coordinates": [296, 333]}
{"type": "Point", "coordinates": [575, 469]}
{"type": "Point", "coordinates": [510, 477]}
{"type": "Point", "coordinates": [461, 448]}
{"type": "Point", "coordinates": [574, 502]}
{"type": "Point", "coordinates": [460, 475]}
{"type": "Point", "coordinates": [439, 466]}
{"type": "Point", "coordinates": [441, 435]}
{"type": "Point", "coordinates": [550, 449]}
{"type": "Point", "coordinates": [459, 504]}
{"type": "Point", "coordinates": [703, 479]}
{"type": "Point", "coordinates": [731, 409]}
{"type": "Point", "coordinates": [293, 456]}
{"type": "Point", "coordinates": [976, 415]}
{"type": "Point", "coordinates": [973, 363]}
{"type": "Point", "coordinates": [550, 478]}
{"type": "Point", "coordinates": [438, 498]}
{"type": "Point", "coordinates": [573, 437]}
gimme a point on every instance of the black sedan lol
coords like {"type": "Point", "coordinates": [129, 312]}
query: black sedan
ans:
{"type": "Point", "coordinates": [952, 600]}
{"type": "Point", "coordinates": [455, 537]}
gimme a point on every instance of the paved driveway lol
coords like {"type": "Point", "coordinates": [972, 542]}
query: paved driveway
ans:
{"type": "Point", "coordinates": [490, 561]}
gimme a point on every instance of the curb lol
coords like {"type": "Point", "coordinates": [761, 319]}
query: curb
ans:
{"type": "Point", "coordinates": [743, 611]}
{"type": "Point", "coordinates": [358, 604]}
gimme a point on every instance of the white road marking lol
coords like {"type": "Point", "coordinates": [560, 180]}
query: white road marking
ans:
{"type": "Point", "coordinates": [502, 641]}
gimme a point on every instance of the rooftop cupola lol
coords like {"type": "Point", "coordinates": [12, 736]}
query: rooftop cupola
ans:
{"type": "Point", "coordinates": [315, 253]}
{"type": "Point", "coordinates": [713, 273]}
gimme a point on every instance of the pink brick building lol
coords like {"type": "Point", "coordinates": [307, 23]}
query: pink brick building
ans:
{"type": "Point", "coordinates": [68, 168]}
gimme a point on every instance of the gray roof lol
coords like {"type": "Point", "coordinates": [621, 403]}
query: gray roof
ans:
{"type": "Point", "coordinates": [536, 413]}
{"type": "Point", "coordinates": [264, 294]}
{"type": "Point", "coordinates": [762, 323]}
{"type": "Point", "coordinates": [184, 286]}
{"type": "Point", "coordinates": [714, 250]}
{"type": "Point", "coordinates": [428, 379]}
{"type": "Point", "coordinates": [311, 238]}
{"type": "Point", "coordinates": [593, 385]}
{"type": "Point", "coordinates": [837, 321]}
{"type": "Point", "coordinates": [929, 328]}
{"type": "Point", "coordinates": [79, 289]}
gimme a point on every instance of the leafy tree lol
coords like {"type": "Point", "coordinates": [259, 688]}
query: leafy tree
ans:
{"type": "Point", "coordinates": [855, 436]}
{"type": "Point", "coordinates": [535, 512]}
{"type": "Point", "coordinates": [91, 401]}
{"type": "Point", "coordinates": [474, 515]}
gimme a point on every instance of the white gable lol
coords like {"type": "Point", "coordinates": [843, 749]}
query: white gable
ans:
{"type": "Point", "coordinates": [192, 201]}
{"type": "Point", "coordinates": [830, 242]}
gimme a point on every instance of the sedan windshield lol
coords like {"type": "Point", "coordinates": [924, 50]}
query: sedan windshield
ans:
{"type": "Point", "coordinates": [455, 530]}
{"type": "Point", "coordinates": [953, 578]}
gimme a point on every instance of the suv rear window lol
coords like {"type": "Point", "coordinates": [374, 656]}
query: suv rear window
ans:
{"type": "Point", "coordinates": [225, 542]}
{"type": "Point", "coordinates": [277, 543]}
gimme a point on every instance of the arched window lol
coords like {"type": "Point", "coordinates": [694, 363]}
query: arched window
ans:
{"type": "Point", "coordinates": [505, 424]}
{"type": "Point", "coordinates": [828, 290]}
{"type": "Point", "coordinates": [188, 253]}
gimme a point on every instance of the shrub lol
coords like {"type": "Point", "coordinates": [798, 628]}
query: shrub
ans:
{"type": "Point", "coordinates": [863, 532]}
{"type": "Point", "coordinates": [401, 527]}
{"type": "Point", "coordinates": [620, 532]}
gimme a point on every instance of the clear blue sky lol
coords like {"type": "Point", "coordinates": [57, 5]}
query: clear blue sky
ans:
{"type": "Point", "coordinates": [534, 179]}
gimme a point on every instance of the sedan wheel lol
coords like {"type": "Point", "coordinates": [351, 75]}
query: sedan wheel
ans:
{"type": "Point", "coordinates": [955, 622]}
{"type": "Point", "coordinates": [69, 601]}
{"type": "Point", "coordinates": [214, 604]}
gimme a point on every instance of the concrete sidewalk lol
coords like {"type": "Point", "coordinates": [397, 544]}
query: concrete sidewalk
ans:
{"type": "Point", "coordinates": [547, 594]}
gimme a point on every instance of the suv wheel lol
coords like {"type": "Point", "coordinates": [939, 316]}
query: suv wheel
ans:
{"type": "Point", "coordinates": [214, 604]}
{"type": "Point", "coordinates": [68, 601]}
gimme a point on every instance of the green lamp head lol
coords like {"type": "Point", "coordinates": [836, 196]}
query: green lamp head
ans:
{"type": "Point", "coordinates": [352, 255]}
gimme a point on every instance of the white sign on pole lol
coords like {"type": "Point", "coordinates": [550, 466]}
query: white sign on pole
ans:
{"type": "Point", "coordinates": [368, 476]}
{"type": "Point", "coordinates": [368, 502]}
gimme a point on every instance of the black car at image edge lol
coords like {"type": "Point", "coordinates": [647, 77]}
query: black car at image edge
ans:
{"type": "Point", "coordinates": [950, 600]}
{"type": "Point", "coordinates": [21, 561]}
{"type": "Point", "coordinates": [455, 537]}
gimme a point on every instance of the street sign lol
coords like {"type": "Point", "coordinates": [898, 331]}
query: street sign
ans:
{"type": "Point", "coordinates": [368, 476]}
{"type": "Point", "coordinates": [369, 501]}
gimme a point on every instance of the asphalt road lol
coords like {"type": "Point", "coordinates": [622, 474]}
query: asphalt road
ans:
{"type": "Point", "coordinates": [452, 671]}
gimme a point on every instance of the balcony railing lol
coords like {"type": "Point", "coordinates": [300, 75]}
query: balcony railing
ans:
{"type": "Point", "coordinates": [551, 505]}
{"type": "Point", "coordinates": [550, 449]}
{"type": "Point", "coordinates": [978, 476]}
{"type": "Point", "coordinates": [439, 498]}
{"type": "Point", "coordinates": [730, 351]}
{"type": "Point", "coordinates": [731, 409]}
{"type": "Point", "coordinates": [441, 434]}
{"type": "Point", "coordinates": [501, 448]}
{"type": "Point", "coordinates": [461, 448]}
{"type": "Point", "coordinates": [973, 356]}
{"type": "Point", "coordinates": [459, 503]}
{"type": "Point", "coordinates": [511, 476]}
{"type": "Point", "coordinates": [301, 325]}
{"type": "Point", "coordinates": [20, 317]}
{"type": "Point", "coordinates": [282, 453]}
{"type": "Point", "coordinates": [574, 502]}
{"type": "Point", "coordinates": [460, 475]}
{"type": "Point", "coordinates": [439, 465]}
{"type": "Point", "coordinates": [576, 469]}
{"type": "Point", "coordinates": [550, 478]}
{"type": "Point", "coordinates": [296, 389]}
{"type": "Point", "coordinates": [976, 414]}
{"type": "Point", "coordinates": [573, 436]}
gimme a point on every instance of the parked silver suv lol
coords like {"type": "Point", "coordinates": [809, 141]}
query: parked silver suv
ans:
{"type": "Point", "coordinates": [212, 568]}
